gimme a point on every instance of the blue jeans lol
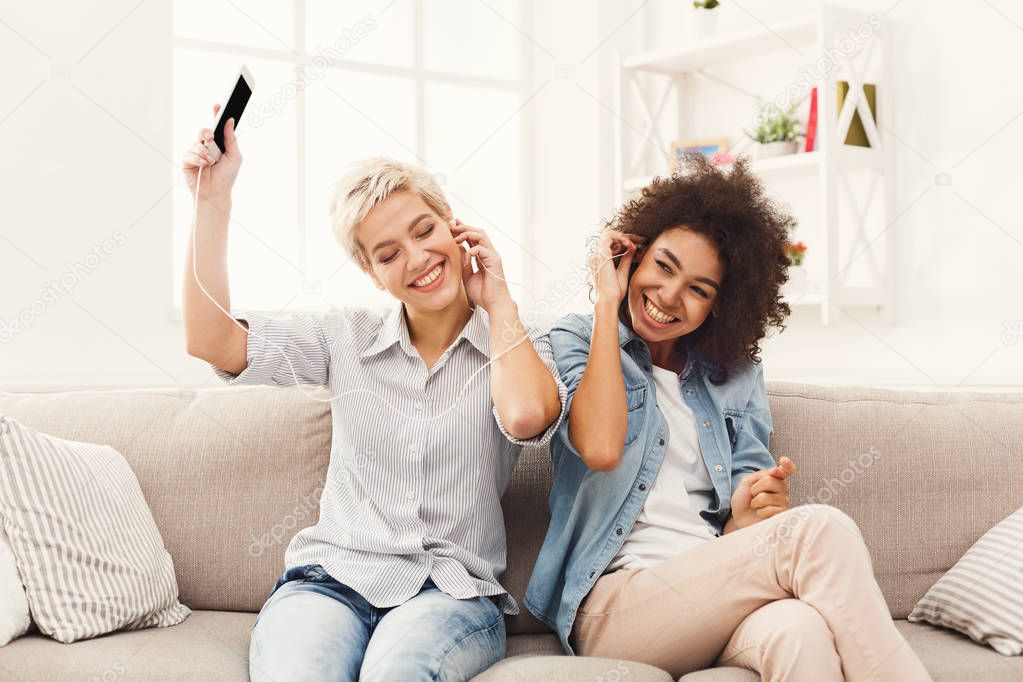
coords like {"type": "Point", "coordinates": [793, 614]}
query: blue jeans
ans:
{"type": "Point", "coordinates": [315, 628]}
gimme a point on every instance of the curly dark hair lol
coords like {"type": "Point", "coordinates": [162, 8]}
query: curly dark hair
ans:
{"type": "Point", "coordinates": [749, 231]}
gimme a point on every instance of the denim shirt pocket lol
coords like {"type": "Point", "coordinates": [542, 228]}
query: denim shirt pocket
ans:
{"type": "Point", "coordinates": [733, 423]}
{"type": "Point", "coordinates": [635, 397]}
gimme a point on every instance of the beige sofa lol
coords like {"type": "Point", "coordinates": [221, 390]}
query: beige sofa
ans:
{"type": "Point", "coordinates": [232, 473]}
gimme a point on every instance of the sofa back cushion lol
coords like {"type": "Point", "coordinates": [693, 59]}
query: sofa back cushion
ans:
{"type": "Point", "coordinates": [924, 474]}
{"type": "Point", "coordinates": [231, 474]}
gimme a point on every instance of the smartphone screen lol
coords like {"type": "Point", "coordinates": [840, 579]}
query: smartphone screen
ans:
{"type": "Point", "coordinates": [234, 108]}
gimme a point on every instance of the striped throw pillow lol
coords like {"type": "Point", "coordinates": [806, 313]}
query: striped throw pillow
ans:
{"type": "Point", "coordinates": [980, 595]}
{"type": "Point", "coordinates": [91, 557]}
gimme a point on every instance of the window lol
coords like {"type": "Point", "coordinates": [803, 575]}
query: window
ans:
{"type": "Point", "coordinates": [439, 83]}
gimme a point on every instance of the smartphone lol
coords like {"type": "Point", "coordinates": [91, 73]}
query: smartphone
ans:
{"type": "Point", "coordinates": [232, 107]}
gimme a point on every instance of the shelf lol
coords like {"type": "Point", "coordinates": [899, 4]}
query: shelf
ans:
{"type": "Point", "coordinates": [803, 162]}
{"type": "Point", "coordinates": [848, 157]}
{"type": "Point", "coordinates": [798, 162]}
{"type": "Point", "coordinates": [720, 49]}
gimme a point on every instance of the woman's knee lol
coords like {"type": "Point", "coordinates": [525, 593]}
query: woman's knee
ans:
{"type": "Point", "coordinates": [792, 642]}
{"type": "Point", "coordinates": [825, 523]}
{"type": "Point", "coordinates": [301, 633]}
{"type": "Point", "coordinates": [818, 523]}
{"type": "Point", "coordinates": [795, 624]}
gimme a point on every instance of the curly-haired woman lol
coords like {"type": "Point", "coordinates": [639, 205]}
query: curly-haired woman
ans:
{"type": "Point", "coordinates": [671, 541]}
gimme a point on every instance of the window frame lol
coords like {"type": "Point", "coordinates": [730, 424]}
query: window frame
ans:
{"type": "Point", "coordinates": [420, 76]}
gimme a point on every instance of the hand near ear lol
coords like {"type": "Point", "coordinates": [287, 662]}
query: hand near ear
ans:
{"type": "Point", "coordinates": [486, 287]}
{"type": "Point", "coordinates": [610, 259]}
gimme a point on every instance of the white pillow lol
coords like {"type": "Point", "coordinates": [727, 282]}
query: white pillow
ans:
{"type": "Point", "coordinates": [980, 595]}
{"type": "Point", "coordinates": [90, 555]}
{"type": "Point", "coordinates": [14, 618]}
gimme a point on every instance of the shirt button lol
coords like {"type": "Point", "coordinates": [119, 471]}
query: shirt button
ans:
{"type": "Point", "coordinates": [419, 406]}
{"type": "Point", "coordinates": [642, 486]}
{"type": "Point", "coordinates": [593, 573]}
{"type": "Point", "coordinates": [689, 391]}
{"type": "Point", "coordinates": [618, 531]}
{"type": "Point", "coordinates": [660, 441]}
{"type": "Point", "coordinates": [717, 467]}
{"type": "Point", "coordinates": [706, 424]}
{"type": "Point", "coordinates": [411, 447]}
{"type": "Point", "coordinates": [410, 494]}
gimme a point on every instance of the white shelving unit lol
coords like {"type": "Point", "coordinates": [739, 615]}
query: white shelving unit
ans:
{"type": "Point", "coordinates": [852, 241]}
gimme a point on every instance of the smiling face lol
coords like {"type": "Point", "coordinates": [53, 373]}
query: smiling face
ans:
{"type": "Point", "coordinates": [410, 252]}
{"type": "Point", "coordinates": [675, 285]}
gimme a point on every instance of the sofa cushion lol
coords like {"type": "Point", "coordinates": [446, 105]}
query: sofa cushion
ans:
{"type": "Point", "coordinates": [87, 548]}
{"type": "Point", "coordinates": [923, 473]}
{"type": "Point", "coordinates": [570, 669]}
{"type": "Point", "coordinates": [978, 595]}
{"type": "Point", "coordinates": [525, 520]}
{"type": "Point", "coordinates": [533, 645]}
{"type": "Point", "coordinates": [952, 657]}
{"type": "Point", "coordinates": [229, 473]}
{"type": "Point", "coordinates": [725, 674]}
{"type": "Point", "coordinates": [208, 645]}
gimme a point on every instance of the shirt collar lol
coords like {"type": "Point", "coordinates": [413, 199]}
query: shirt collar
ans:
{"type": "Point", "coordinates": [394, 329]}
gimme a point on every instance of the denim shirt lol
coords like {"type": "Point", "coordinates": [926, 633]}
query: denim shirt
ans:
{"type": "Point", "coordinates": [592, 511]}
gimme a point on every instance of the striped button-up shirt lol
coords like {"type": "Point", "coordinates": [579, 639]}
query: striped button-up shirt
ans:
{"type": "Point", "coordinates": [408, 495]}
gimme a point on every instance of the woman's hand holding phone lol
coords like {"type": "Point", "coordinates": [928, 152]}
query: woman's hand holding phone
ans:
{"type": "Point", "coordinates": [218, 177]}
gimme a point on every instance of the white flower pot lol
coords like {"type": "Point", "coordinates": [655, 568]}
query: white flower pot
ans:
{"type": "Point", "coordinates": [773, 149]}
{"type": "Point", "coordinates": [701, 24]}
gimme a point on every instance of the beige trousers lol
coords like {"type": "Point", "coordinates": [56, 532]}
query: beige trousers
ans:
{"type": "Point", "coordinates": [792, 598]}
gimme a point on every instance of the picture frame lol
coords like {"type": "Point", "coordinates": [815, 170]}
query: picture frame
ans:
{"type": "Point", "coordinates": [708, 146]}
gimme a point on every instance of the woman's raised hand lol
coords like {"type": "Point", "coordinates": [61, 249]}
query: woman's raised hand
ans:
{"type": "Point", "coordinates": [487, 287]}
{"type": "Point", "coordinates": [218, 178]}
{"type": "Point", "coordinates": [609, 258]}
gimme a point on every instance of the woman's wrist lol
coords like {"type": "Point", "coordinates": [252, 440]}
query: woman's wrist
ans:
{"type": "Point", "coordinates": [605, 307]}
{"type": "Point", "coordinates": [215, 203]}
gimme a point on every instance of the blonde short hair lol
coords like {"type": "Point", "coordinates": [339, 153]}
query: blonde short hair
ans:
{"type": "Point", "coordinates": [368, 183]}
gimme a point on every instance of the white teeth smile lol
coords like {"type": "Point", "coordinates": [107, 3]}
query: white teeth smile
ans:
{"type": "Point", "coordinates": [430, 276]}
{"type": "Point", "coordinates": [656, 313]}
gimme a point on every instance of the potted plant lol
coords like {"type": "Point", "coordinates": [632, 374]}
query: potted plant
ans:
{"type": "Point", "coordinates": [777, 131]}
{"type": "Point", "coordinates": [703, 20]}
{"type": "Point", "coordinates": [795, 253]}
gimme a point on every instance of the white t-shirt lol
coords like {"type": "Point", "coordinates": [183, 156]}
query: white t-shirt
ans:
{"type": "Point", "coordinates": [670, 523]}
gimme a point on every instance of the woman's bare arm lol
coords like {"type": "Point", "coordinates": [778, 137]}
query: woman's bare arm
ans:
{"type": "Point", "coordinates": [210, 334]}
{"type": "Point", "coordinates": [598, 417]}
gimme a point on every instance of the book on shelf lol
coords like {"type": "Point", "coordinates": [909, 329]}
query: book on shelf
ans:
{"type": "Point", "coordinates": [811, 124]}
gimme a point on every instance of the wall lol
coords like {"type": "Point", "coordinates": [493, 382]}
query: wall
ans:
{"type": "Point", "coordinates": [87, 126]}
